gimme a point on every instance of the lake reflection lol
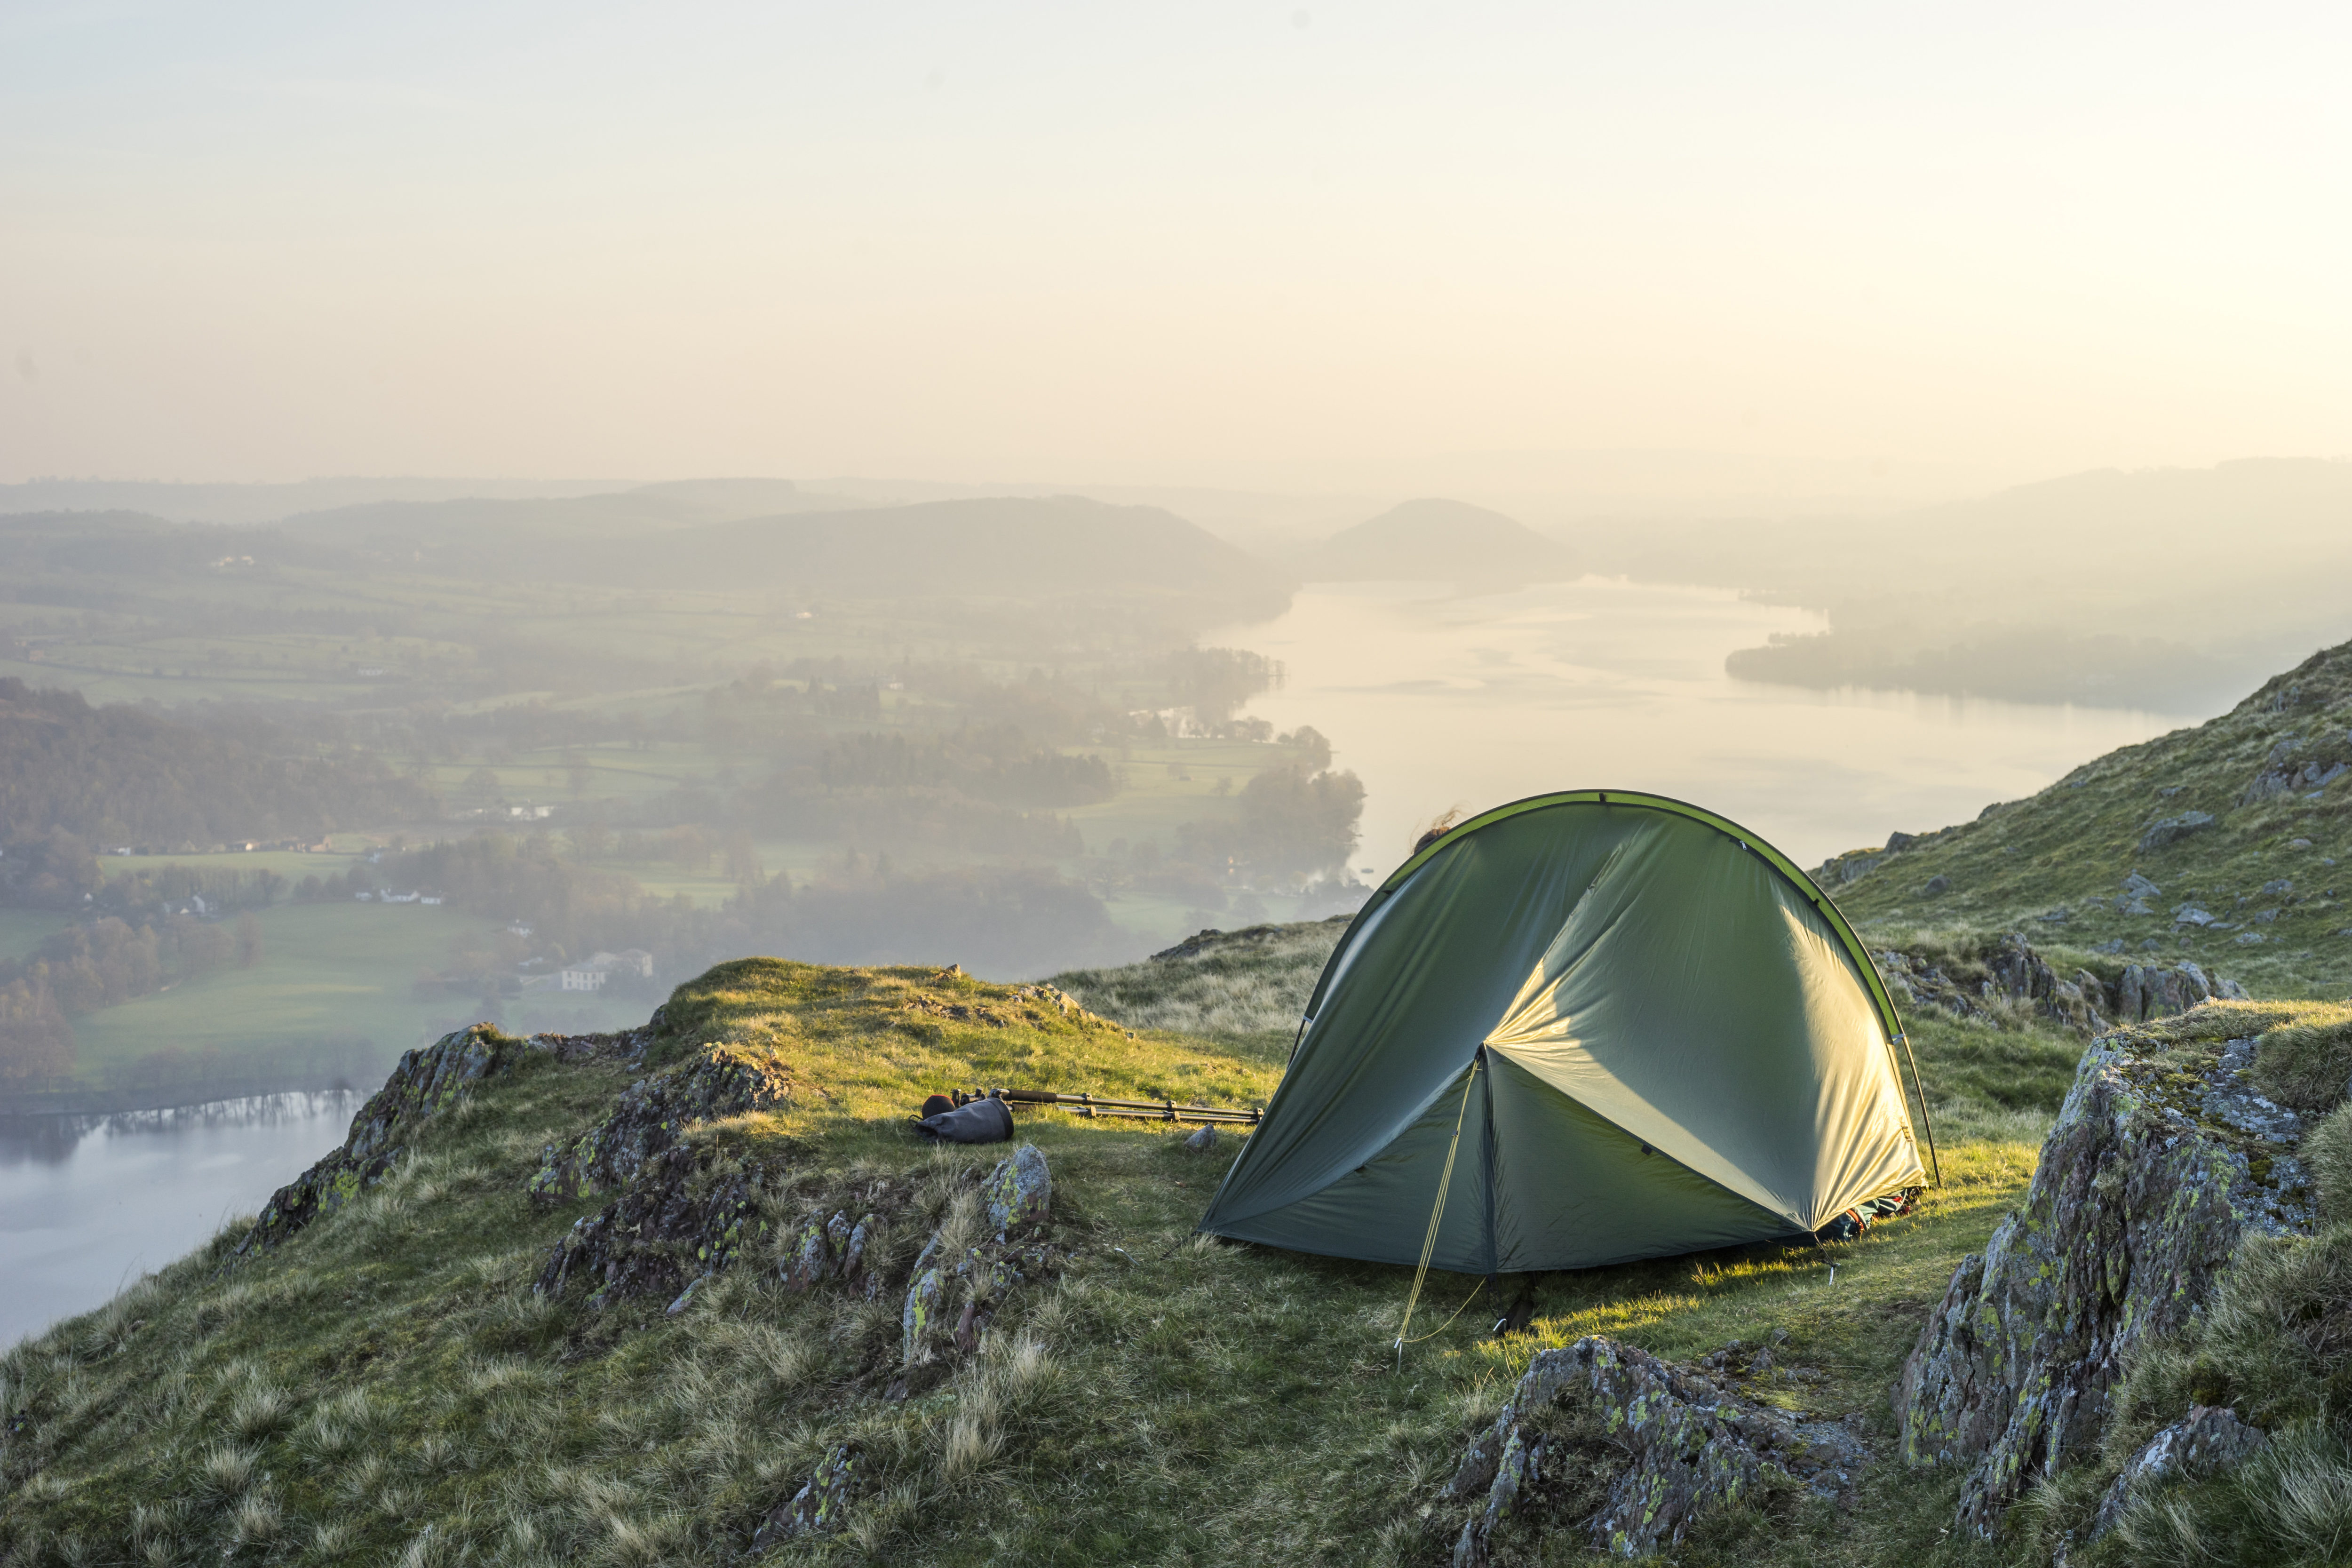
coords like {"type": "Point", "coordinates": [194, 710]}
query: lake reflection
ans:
{"type": "Point", "coordinates": [87, 1203]}
{"type": "Point", "coordinates": [1439, 700]}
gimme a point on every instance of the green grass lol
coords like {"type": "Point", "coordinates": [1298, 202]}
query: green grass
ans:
{"type": "Point", "coordinates": [22, 930]}
{"type": "Point", "coordinates": [2068, 850]}
{"type": "Point", "coordinates": [1161, 1398]}
{"type": "Point", "coordinates": [327, 971]}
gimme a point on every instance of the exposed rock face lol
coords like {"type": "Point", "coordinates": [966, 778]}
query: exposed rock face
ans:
{"type": "Point", "coordinates": [1687, 1441]}
{"type": "Point", "coordinates": [2207, 1439]}
{"type": "Point", "coordinates": [817, 1508]}
{"type": "Point", "coordinates": [2150, 991]}
{"type": "Point", "coordinates": [683, 1217]}
{"type": "Point", "coordinates": [2161, 1159]}
{"type": "Point", "coordinates": [426, 1082]}
{"type": "Point", "coordinates": [652, 1115]}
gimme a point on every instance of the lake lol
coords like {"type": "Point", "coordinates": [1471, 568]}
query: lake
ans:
{"type": "Point", "coordinates": [1439, 700]}
{"type": "Point", "coordinates": [87, 1203]}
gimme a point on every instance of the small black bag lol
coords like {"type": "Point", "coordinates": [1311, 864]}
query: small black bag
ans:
{"type": "Point", "coordinates": [981, 1121]}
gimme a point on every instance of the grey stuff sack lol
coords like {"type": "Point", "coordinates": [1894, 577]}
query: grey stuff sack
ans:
{"type": "Point", "coordinates": [981, 1121]}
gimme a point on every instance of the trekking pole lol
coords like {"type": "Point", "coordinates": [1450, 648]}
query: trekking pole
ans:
{"type": "Point", "coordinates": [1092, 1105]}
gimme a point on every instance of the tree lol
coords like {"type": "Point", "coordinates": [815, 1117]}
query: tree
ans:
{"type": "Point", "coordinates": [248, 941]}
{"type": "Point", "coordinates": [34, 1043]}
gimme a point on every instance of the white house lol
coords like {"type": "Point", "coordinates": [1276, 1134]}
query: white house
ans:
{"type": "Point", "coordinates": [603, 966]}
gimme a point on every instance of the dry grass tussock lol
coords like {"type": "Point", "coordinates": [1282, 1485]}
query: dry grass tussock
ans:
{"type": "Point", "coordinates": [1249, 983]}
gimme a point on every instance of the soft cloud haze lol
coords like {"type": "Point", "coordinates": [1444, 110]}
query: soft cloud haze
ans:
{"type": "Point", "coordinates": [1254, 244]}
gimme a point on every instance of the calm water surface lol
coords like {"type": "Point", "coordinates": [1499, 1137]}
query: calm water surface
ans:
{"type": "Point", "coordinates": [87, 1203]}
{"type": "Point", "coordinates": [1440, 700]}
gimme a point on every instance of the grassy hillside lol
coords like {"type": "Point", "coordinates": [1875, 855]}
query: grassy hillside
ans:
{"type": "Point", "coordinates": [2246, 820]}
{"type": "Point", "coordinates": [386, 1386]}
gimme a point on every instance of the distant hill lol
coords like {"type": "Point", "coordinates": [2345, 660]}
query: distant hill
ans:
{"type": "Point", "coordinates": [663, 537]}
{"type": "Point", "coordinates": [2161, 588]}
{"type": "Point", "coordinates": [1016, 546]}
{"type": "Point", "coordinates": [1434, 540]}
{"type": "Point", "coordinates": [439, 527]}
{"type": "Point", "coordinates": [246, 504]}
{"type": "Point", "coordinates": [2239, 831]}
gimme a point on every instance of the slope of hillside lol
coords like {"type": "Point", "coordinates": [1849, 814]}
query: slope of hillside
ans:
{"type": "Point", "coordinates": [2224, 844]}
{"type": "Point", "coordinates": [669, 1296]}
{"type": "Point", "coordinates": [1435, 540]}
{"type": "Point", "coordinates": [718, 535]}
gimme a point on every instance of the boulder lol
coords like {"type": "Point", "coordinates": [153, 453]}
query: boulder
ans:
{"type": "Point", "coordinates": [427, 1081]}
{"type": "Point", "coordinates": [2172, 829]}
{"type": "Point", "coordinates": [1681, 1440]}
{"type": "Point", "coordinates": [1204, 1142]}
{"type": "Point", "coordinates": [2154, 991]}
{"type": "Point", "coordinates": [2210, 1438]}
{"type": "Point", "coordinates": [1018, 1193]}
{"type": "Point", "coordinates": [2162, 1158]}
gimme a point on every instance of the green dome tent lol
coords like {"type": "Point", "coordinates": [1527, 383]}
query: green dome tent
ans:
{"type": "Point", "coordinates": [1610, 1026]}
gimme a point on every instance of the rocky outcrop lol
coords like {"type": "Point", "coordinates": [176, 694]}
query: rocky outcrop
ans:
{"type": "Point", "coordinates": [956, 1287]}
{"type": "Point", "coordinates": [2209, 1439]}
{"type": "Point", "coordinates": [2163, 1156]}
{"type": "Point", "coordinates": [1680, 1440]}
{"type": "Point", "coordinates": [2008, 971]}
{"type": "Point", "coordinates": [2296, 766]}
{"type": "Point", "coordinates": [652, 1116]}
{"type": "Point", "coordinates": [427, 1081]}
{"type": "Point", "coordinates": [684, 1216]}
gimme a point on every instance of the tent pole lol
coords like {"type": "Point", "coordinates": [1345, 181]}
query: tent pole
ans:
{"type": "Point", "coordinates": [1487, 1153]}
{"type": "Point", "coordinates": [1437, 1212]}
{"type": "Point", "coordinates": [1933, 1163]}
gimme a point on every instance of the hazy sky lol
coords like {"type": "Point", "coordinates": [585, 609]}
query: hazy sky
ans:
{"type": "Point", "coordinates": [1186, 243]}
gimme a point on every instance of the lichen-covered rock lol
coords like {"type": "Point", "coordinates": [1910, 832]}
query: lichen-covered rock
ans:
{"type": "Point", "coordinates": [2210, 1438]}
{"type": "Point", "coordinates": [824, 1249]}
{"type": "Point", "coordinates": [427, 1081]}
{"type": "Point", "coordinates": [1686, 1438]}
{"type": "Point", "coordinates": [2163, 1156]}
{"type": "Point", "coordinates": [817, 1508]}
{"type": "Point", "coordinates": [654, 1114]}
{"type": "Point", "coordinates": [1019, 1193]}
{"type": "Point", "coordinates": [685, 1216]}
{"type": "Point", "coordinates": [950, 1295]}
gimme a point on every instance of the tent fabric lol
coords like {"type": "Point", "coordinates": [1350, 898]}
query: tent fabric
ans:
{"type": "Point", "coordinates": [1656, 1035]}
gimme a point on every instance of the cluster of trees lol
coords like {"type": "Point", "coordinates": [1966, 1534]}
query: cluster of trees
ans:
{"type": "Point", "coordinates": [863, 911]}
{"type": "Point", "coordinates": [122, 774]}
{"type": "Point", "coordinates": [996, 763]}
{"type": "Point", "coordinates": [1213, 681]}
{"type": "Point", "coordinates": [1293, 823]}
{"type": "Point", "coordinates": [98, 964]}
